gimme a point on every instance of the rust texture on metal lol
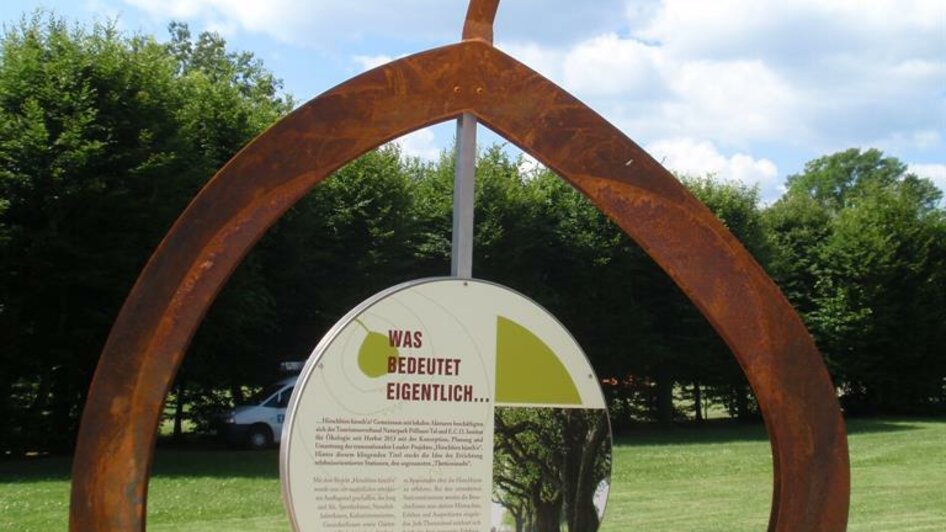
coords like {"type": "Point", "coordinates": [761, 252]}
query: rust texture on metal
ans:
{"type": "Point", "coordinates": [152, 332]}
{"type": "Point", "coordinates": [479, 20]}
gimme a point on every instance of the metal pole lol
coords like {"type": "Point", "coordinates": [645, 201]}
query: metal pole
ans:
{"type": "Point", "coordinates": [461, 255]}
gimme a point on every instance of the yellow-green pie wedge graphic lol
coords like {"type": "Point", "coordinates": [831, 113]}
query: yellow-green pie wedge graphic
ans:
{"type": "Point", "coordinates": [374, 352]}
{"type": "Point", "coordinates": [527, 370]}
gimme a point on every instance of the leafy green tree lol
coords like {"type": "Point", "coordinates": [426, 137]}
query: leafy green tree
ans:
{"type": "Point", "coordinates": [87, 154]}
{"type": "Point", "coordinates": [230, 98]}
{"type": "Point", "coordinates": [431, 189]}
{"type": "Point", "coordinates": [797, 226]}
{"type": "Point", "coordinates": [833, 181]}
{"type": "Point", "coordinates": [875, 297]}
{"type": "Point", "coordinates": [513, 243]}
{"type": "Point", "coordinates": [537, 234]}
{"type": "Point", "coordinates": [104, 138]}
{"type": "Point", "coordinates": [858, 250]}
{"type": "Point", "coordinates": [348, 239]}
{"type": "Point", "coordinates": [100, 150]}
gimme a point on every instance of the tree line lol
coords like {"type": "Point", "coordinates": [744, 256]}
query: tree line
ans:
{"type": "Point", "coordinates": [105, 137]}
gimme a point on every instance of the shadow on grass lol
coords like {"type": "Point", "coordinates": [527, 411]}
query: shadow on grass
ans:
{"type": "Point", "coordinates": [210, 461]}
{"type": "Point", "coordinates": [35, 469]}
{"type": "Point", "coordinates": [726, 431]}
{"type": "Point", "coordinates": [865, 425]}
{"type": "Point", "coordinates": [168, 463]}
{"type": "Point", "coordinates": [714, 431]}
{"type": "Point", "coordinates": [175, 463]}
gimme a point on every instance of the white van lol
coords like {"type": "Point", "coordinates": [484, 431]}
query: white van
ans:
{"type": "Point", "coordinates": [257, 423]}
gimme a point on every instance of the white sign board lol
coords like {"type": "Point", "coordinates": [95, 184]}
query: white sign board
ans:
{"type": "Point", "coordinates": [446, 405]}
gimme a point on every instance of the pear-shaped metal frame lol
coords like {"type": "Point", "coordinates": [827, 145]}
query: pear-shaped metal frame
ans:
{"type": "Point", "coordinates": [152, 332]}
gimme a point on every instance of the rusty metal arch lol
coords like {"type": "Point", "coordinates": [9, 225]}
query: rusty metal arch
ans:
{"type": "Point", "coordinates": [152, 332]}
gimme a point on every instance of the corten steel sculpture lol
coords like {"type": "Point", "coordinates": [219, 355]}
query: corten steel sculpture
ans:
{"type": "Point", "coordinates": [154, 327]}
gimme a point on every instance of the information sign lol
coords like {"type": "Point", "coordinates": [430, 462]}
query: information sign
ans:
{"type": "Point", "coordinates": [446, 405]}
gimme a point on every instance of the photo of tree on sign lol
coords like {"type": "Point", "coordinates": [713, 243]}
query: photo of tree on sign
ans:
{"type": "Point", "coordinates": [551, 469]}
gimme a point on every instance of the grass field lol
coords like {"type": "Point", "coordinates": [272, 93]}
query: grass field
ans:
{"type": "Point", "coordinates": [716, 478]}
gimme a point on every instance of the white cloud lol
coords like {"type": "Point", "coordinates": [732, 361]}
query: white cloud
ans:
{"type": "Point", "coordinates": [610, 65]}
{"type": "Point", "coordinates": [421, 143]}
{"type": "Point", "coordinates": [367, 62]}
{"type": "Point", "coordinates": [856, 70]}
{"type": "Point", "coordinates": [321, 23]}
{"type": "Point", "coordinates": [176, 9]}
{"type": "Point", "coordinates": [807, 75]}
{"type": "Point", "coordinates": [687, 156]}
{"type": "Point", "coordinates": [325, 23]}
{"type": "Point", "coordinates": [935, 172]}
{"type": "Point", "coordinates": [548, 61]}
{"type": "Point", "coordinates": [749, 76]}
{"type": "Point", "coordinates": [103, 10]}
{"type": "Point", "coordinates": [529, 165]}
{"type": "Point", "coordinates": [735, 101]}
{"type": "Point", "coordinates": [900, 142]}
{"type": "Point", "coordinates": [226, 28]}
{"type": "Point", "coordinates": [754, 28]}
{"type": "Point", "coordinates": [652, 94]}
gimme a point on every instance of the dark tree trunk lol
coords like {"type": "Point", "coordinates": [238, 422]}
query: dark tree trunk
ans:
{"type": "Point", "coordinates": [42, 396]}
{"type": "Point", "coordinates": [742, 403]}
{"type": "Point", "coordinates": [63, 421]}
{"type": "Point", "coordinates": [664, 397]}
{"type": "Point", "coordinates": [548, 515]}
{"type": "Point", "coordinates": [237, 393]}
{"type": "Point", "coordinates": [575, 433]}
{"type": "Point", "coordinates": [585, 518]}
{"type": "Point", "coordinates": [698, 401]}
{"type": "Point", "coordinates": [179, 412]}
{"type": "Point", "coordinates": [517, 514]}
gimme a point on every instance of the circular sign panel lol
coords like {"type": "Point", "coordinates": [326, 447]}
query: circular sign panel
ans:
{"type": "Point", "coordinates": [446, 405]}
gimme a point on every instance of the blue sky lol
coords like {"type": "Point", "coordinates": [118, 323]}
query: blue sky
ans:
{"type": "Point", "coordinates": [747, 89]}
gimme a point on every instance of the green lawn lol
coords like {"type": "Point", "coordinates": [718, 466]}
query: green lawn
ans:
{"type": "Point", "coordinates": [685, 479]}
